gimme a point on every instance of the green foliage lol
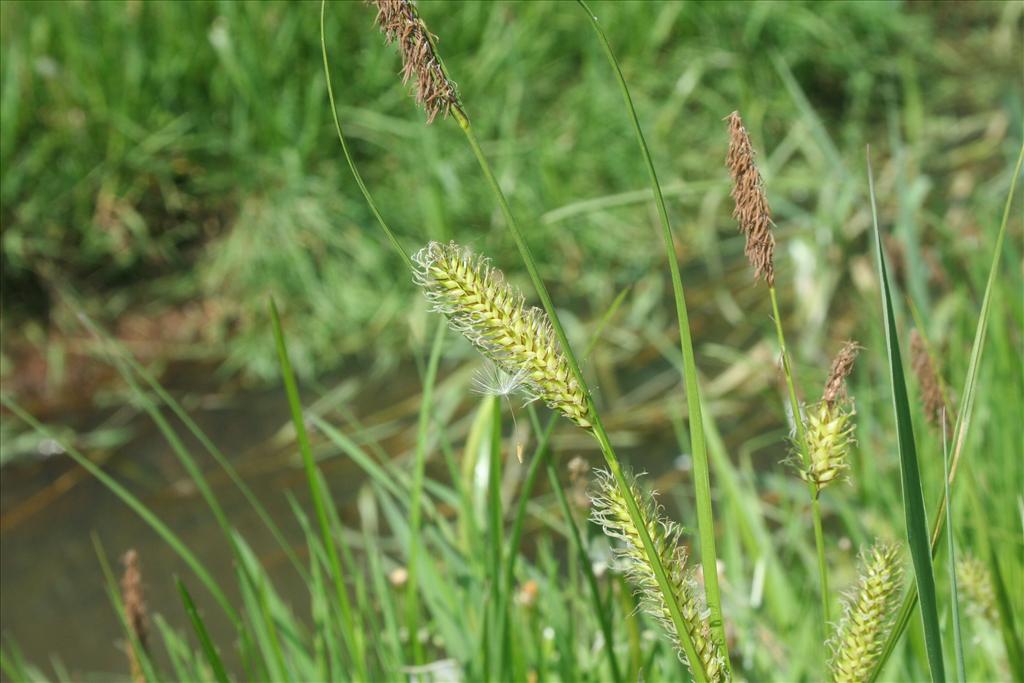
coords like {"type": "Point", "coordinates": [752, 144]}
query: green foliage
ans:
{"type": "Point", "coordinates": [131, 156]}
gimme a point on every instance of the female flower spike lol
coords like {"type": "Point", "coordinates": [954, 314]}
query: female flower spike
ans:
{"type": "Point", "coordinates": [867, 615]}
{"type": "Point", "coordinates": [491, 314]}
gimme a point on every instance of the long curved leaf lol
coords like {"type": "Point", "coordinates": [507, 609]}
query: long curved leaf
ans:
{"type": "Point", "coordinates": [910, 475]}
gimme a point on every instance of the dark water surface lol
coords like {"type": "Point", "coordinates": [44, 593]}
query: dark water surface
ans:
{"type": "Point", "coordinates": [54, 596]}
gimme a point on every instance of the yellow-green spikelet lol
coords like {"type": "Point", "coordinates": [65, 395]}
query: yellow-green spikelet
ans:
{"type": "Point", "coordinates": [490, 313]}
{"type": "Point", "coordinates": [610, 512]}
{"type": "Point", "coordinates": [867, 616]}
{"type": "Point", "coordinates": [829, 438]}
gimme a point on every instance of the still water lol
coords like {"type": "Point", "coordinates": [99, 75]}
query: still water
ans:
{"type": "Point", "coordinates": [54, 595]}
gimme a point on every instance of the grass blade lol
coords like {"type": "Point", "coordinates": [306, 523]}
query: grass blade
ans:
{"type": "Point", "coordinates": [698, 446]}
{"type": "Point", "coordinates": [212, 658]}
{"type": "Point", "coordinates": [958, 643]}
{"type": "Point", "coordinates": [412, 609]}
{"type": "Point", "coordinates": [351, 635]}
{"type": "Point", "coordinates": [910, 476]}
{"type": "Point", "coordinates": [963, 420]}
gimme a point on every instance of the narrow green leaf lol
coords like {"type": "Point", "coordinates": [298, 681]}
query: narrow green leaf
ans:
{"type": "Point", "coordinates": [698, 446]}
{"type": "Point", "coordinates": [963, 421]}
{"type": "Point", "coordinates": [910, 476]}
{"type": "Point", "coordinates": [350, 635]}
{"type": "Point", "coordinates": [209, 650]}
{"type": "Point", "coordinates": [958, 643]}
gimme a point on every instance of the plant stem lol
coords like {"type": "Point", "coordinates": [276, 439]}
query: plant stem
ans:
{"type": "Point", "coordinates": [597, 428]}
{"type": "Point", "coordinates": [698, 447]}
{"type": "Point", "coordinates": [412, 611]}
{"type": "Point", "coordinates": [801, 436]}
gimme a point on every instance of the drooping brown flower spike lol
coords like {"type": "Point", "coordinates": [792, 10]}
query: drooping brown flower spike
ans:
{"type": "Point", "coordinates": [752, 210]}
{"type": "Point", "coordinates": [400, 23]}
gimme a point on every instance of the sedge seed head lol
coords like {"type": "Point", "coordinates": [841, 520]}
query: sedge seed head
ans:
{"type": "Point", "coordinates": [829, 437]}
{"type": "Point", "coordinates": [609, 511]}
{"type": "Point", "coordinates": [867, 615]}
{"type": "Point", "coordinates": [752, 210]}
{"type": "Point", "coordinates": [976, 582]}
{"type": "Point", "coordinates": [491, 314]}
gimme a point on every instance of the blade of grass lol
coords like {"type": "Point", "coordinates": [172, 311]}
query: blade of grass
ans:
{"type": "Point", "coordinates": [910, 476]}
{"type": "Point", "coordinates": [348, 154]}
{"type": "Point", "coordinates": [209, 650]}
{"type": "Point", "coordinates": [963, 420]}
{"type": "Point", "coordinates": [351, 636]}
{"type": "Point", "coordinates": [698, 447]}
{"type": "Point", "coordinates": [497, 611]}
{"type": "Point", "coordinates": [958, 643]}
{"type": "Point", "coordinates": [412, 609]}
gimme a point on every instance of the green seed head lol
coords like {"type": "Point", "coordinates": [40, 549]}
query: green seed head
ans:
{"type": "Point", "coordinates": [829, 438]}
{"type": "Point", "coordinates": [611, 513]}
{"type": "Point", "coordinates": [490, 313]}
{"type": "Point", "coordinates": [976, 583]}
{"type": "Point", "coordinates": [867, 615]}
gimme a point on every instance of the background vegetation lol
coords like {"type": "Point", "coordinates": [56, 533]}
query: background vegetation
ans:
{"type": "Point", "coordinates": [170, 166]}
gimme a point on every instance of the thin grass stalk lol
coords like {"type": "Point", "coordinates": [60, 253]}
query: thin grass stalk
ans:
{"type": "Point", "coordinates": [350, 635]}
{"type": "Point", "coordinates": [597, 427]}
{"type": "Point", "coordinates": [698, 446]}
{"type": "Point", "coordinates": [412, 610]}
{"type": "Point", "coordinates": [801, 440]}
{"type": "Point", "coordinates": [209, 650]}
{"type": "Point", "coordinates": [958, 643]}
{"type": "Point", "coordinates": [496, 607]}
{"type": "Point", "coordinates": [392, 238]}
{"type": "Point", "coordinates": [963, 420]}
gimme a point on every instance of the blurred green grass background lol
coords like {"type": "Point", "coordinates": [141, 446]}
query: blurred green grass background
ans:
{"type": "Point", "coordinates": [174, 165]}
{"type": "Point", "coordinates": [157, 155]}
